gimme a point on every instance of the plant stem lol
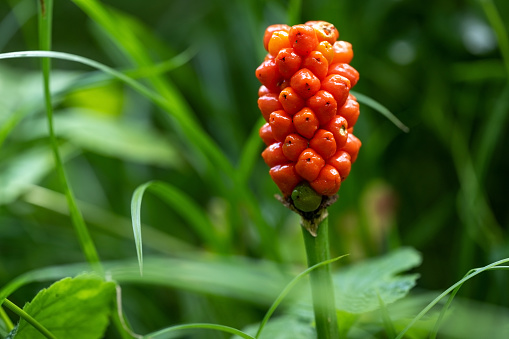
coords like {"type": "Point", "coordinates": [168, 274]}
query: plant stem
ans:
{"type": "Point", "coordinates": [28, 318]}
{"type": "Point", "coordinates": [322, 289]}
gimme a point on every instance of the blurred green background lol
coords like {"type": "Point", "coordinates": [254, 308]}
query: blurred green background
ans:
{"type": "Point", "coordinates": [442, 67]}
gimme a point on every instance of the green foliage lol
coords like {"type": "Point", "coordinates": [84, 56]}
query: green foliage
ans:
{"type": "Point", "coordinates": [70, 308]}
{"type": "Point", "coordinates": [361, 287]}
{"type": "Point", "coordinates": [161, 99]}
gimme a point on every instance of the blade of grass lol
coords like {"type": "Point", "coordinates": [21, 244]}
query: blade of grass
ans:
{"type": "Point", "coordinates": [287, 290]}
{"type": "Point", "coordinates": [21, 12]}
{"type": "Point", "coordinates": [250, 153]}
{"type": "Point", "coordinates": [294, 10]}
{"type": "Point", "coordinates": [222, 328]}
{"type": "Point", "coordinates": [380, 109]}
{"type": "Point", "coordinates": [498, 26]}
{"type": "Point", "coordinates": [29, 319]}
{"type": "Point", "coordinates": [6, 320]}
{"type": "Point", "coordinates": [45, 25]}
{"type": "Point", "coordinates": [447, 291]}
{"type": "Point", "coordinates": [183, 205]}
{"type": "Point", "coordinates": [441, 316]}
{"type": "Point", "coordinates": [390, 331]}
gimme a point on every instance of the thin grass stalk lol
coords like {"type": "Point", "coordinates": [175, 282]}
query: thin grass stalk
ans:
{"type": "Point", "coordinates": [28, 318]}
{"type": "Point", "coordinates": [45, 26]}
{"type": "Point", "coordinates": [322, 288]}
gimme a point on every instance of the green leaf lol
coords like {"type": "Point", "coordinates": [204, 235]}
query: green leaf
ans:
{"type": "Point", "coordinates": [76, 308]}
{"type": "Point", "coordinates": [26, 169]}
{"type": "Point", "coordinates": [361, 287]}
{"type": "Point", "coordinates": [109, 136]}
{"type": "Point", "coordinates": [285, 327]}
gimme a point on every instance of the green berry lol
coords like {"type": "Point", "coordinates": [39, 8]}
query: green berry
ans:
{"type": "Point", "coordinates": [305, 198]}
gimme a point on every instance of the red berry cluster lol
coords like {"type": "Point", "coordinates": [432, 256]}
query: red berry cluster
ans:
{"type": "Point", "coordinates": [306, 79]}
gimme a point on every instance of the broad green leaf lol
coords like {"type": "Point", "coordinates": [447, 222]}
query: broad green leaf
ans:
{"type": "Point", "coordinates": [76, 308]}
{"type": "Point", "coordinates": [109, 136]}
{"type": "Point", "coordinates": [285, 327]}
{"type": "Point", "coordinates": [26, 169]}
{"type": "Point", "coordinates": [360, 287]}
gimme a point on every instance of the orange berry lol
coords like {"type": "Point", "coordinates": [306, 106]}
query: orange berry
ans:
{"type": "Point", "coordinates": [273, 155]}
{"type": "Point", "coordinates": [270, 30]}
{"type": "Point", "coordinates": [352, 146]}
{"type": "Point", "coordinates": [350, 111]}
{"type": "Point", "coordinates": [345, 70]}
{"type": "Point", "coordinates": [305, 83]}
{"type": "Point", "coordinates": [268, 74]}
{"type": "Point", "coordinates": [288, 62]}
{"type": "Point", "coordinates": [342, 162]}
{"type": "Point", "coordinates": [291, 101]}
{"type": "Point", "coordinates": [265, 133]}
{"type": "Point", "coordinates": [338, 126]}
{"type": "Point", "coordinates": [268, 104]}
{"type": "Point", "coordinates": [309, 164]}
{"type": "Point", "coordinates": [303, 39]}
{"type": "Point", "coordinates": [327, 50]}
{"type": "Point", "coordinates": [327, 182]}
{"type": "Point", "coordinates": [285, 177]}
{"type": "Point", "coordinates": [323, 143]}
{"type": "Point", "coordinates": [317, 64]}
{"type": "Point", "coordinates": [263, 90]}
{"type": "Point", "coordinates": [293, 146]}
{"type": "Point", "coordinates": [325, 31]}
{"type": "Point", "coordinates": [343, 52]}
{"type": "Point", "coordinates": [338, 86]}
{"type": "Point", "coordinates": [306, 123]}
{"type": "Point", "coordinates": [323, 105]}
{"type": "Point", "coordinates": [278, 41]}
{"type": "Point", "coordinates": [281, 124]}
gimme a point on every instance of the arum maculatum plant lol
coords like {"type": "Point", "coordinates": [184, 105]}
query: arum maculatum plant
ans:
{"type": "Point", "coordinates": [310, 116]}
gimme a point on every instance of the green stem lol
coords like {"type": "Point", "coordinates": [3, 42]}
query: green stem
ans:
{"type": "Point", "coordinates": [5, 318]}
{"type": "Point", "coordinates": [45, 24]}
{"type": "Point", "coordinates": [28, 318]}
{"type": "Point", "coordinates": [322, 289]}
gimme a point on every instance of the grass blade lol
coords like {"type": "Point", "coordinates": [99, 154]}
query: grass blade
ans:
{"type": "Point", "coordinates": [29, 319]}
{"type": "Point", "coordinates": [447, 291]}
{"type": "Point", "coordinates": [381, 109]}
{"type": "Point", "coordinates": [160, 334]}
{"type": "Point", "coordinates": [87, 245]}
{"type": "Point", "coordinates": [288, 288]}
{"type": "Point", "coordinates": [183, 205]}
{"type": "Point", "coordinates": [250, 153]}
{"type": "Point", "coordinates": [498, 26]}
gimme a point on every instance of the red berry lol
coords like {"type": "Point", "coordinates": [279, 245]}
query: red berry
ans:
{"type": "Point", "coordinates": [327, 182]}
{"type": "Point", "coordinates": [343, 52]}
{"type": "Point", "coordinates": [305, 83]}
{"type": "Point", "coordinates": [273, 155]}
{"type": "Point", "coordinates": [338, 126]}
{"type": "Point", "coordinates": [350, 111]}
{"type": "Point", "coordinates": [345, 70]}
{"type": "Point", "coordinates": [323, 143]}
{"type": "Point", "coordinates": [288, 62]}
{"type": "Point", "coordinates": [269, 75]}
{"type": "Point", "coordinates": [293, 146]}
{"type": "Point", "coordinates": [265, 133]}
{"type": "Point", "coordinates": [268, 104]}
{"type": "Point", "coordinates": [306, 123]}
{"type": "Point", "coordinates": [303, 39]}
{"type": "Point", "coordinates": [263, 90]}
{"type": "Point", "coordinates": [268, 33]}
{"type": "Point", "coordinates": [323, 105]}
{"type": "Point", "coordinates": [352, 146]}
{"type": "Point", "coordinates": [342, 162]}
{"type": "Point", "coordinates": [327, 50]}
{"type": "Point", "coordinates": [317, 64]}
{"type": "Point", "coordinates": [281, 124]}
{"type": "Point", "coordinates": [338, 86]}
{"type": "Point", "coordinates": [309, 164]}
{"type": "Point", "coordinates": [291, 101]}
{"type": "Point", "coordinates": [285, 177]}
